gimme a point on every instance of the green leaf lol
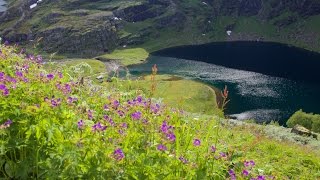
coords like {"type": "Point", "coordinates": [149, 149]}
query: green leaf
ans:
{"type": "Point", "coordinates": [38, 132]}
{"type": "Point", "coordinates": [10, 168]}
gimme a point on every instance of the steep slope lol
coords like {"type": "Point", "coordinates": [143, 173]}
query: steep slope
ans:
{"type": "Point", "coordinates": [53, 124]}
{"type": "Point", "coordinates": [90, 28]}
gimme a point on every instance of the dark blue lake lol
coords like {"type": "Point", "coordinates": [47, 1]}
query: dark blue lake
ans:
{"type": "Point", "coordinates": [267, 81]}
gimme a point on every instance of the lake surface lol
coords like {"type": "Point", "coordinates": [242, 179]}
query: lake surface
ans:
{"type": "Point", "coordinates": [280, 85]}
{"type": "Point", "coordinates": [2, 6]}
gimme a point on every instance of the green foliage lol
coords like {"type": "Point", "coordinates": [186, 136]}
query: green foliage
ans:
{"type": "Point", "coordinates": [285, 135]}
{"type": "Point", "coordinates": [127, 56]}
{"type": "Point", "coordinates": [80, 67]}
{"type": "Point", "coordinates": [53, 126]}
{"type": "Point", "coordinates": [274, 123]}
{"type": "Point", "coordinates": [307, 120]}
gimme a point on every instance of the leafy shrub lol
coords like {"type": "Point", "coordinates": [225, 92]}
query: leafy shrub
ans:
{"type": "Point", "coordinates": [308, 120]}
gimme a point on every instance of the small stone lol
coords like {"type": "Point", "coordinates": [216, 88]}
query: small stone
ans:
{"type": "Point", "coordinates": [100, 77]}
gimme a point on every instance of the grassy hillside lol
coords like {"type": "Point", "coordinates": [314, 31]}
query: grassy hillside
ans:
{"type": "Point", "coordinates": [86, 28]}
{"type": "Point", "coordinates": [127, 56]}
{"type": "Point", "coordinates": [53, 124]}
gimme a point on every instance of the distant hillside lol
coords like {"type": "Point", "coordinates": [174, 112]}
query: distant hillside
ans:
{"type": "Point", "coordinates": [92, 27]}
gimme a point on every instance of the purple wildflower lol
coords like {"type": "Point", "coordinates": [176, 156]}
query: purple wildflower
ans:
{"type": "Point", "coordinates": [98, 127]}
{"type": "Point", "coordinates": [139, 99]}
{"type": "Point", "coordinates": [196, 142]}
{"type": "Point", "coordinates": [213, 149]}
{"type": "Point", "coordinates": [131, 103]}
{"type": "Point", "coordinates": [120, 131]}
{"type": "Point", "coordinates": [116, 104]}
{"type": "Point", "coordinates": [60, 75]}
{"type": "Point", "coordinates": [30, 57]}
{"type": "Point", "coordinates": [103, 128]}
{"type": "Point", "coordinates": [71, 100]}
{"type": "Point", "coordinates": [19, 74]}
{"type": "Point", "coordinates": [6, 92]}
{"type": "Point", "coordinates": [50, 76]}
{"type": "Point", "coordinates": [124, 125]}
{"type": "Point", "coordinates": [80, 124]}
{"type": "Point", "coordinates": [90, 116]}
{"type": "Point", "coordinates": [105, 107]}
{"type": "Point", "coordinates": [161, 147]}
{"type": "Point", "coordinates": [155, 108]}
{"type": "Point", "coordinates": [7, 123]}
{"type": "Point", "coordinates": [58, 85]}
{"type": "Point", "coordinates": [25, 67]}
{"type": "Point", "coordinates": [136, 115]}
{"type": "Point", "coordinates": [106, 117]}
{"type": "Point", "coordinates": [183, 160]}
{"type": "Point", "coordinates": [249, 163]}
{"type": "Point", "coordinates": [245, 172]}
{"type": "Point", "coordinates": [246, 163]}
{"type": "Point", "coordinates": [232, 174]}
{"type": "Point", "coordinates": [11, 79]}
{"type": "Point", "coordinates": [261, 178]}
{"type": "Point", "coordinates": [39, 59]}
{"type": "Point", "coordinates": [118, 154]}
{"type": "Point", "coordinates": [145, 121]}
{"type": "Point", "coordinates": [171, 137]}
{"type": "Point", "coordinates": [66, 89]}
{"type": "Point", "coordinates": [222, 154]}
{"type": "Point", "coordinates": [3, 87]}
{"type": "Point", "coordinates": [55, 102]}
{"type": "Point", "coordinates": [110, 120]}
{"type": "Point", "coordinates": [252, 163]}
{"type": "Point", "coordinates": [165, 127]}
{"type": "Point", "coordinates": [1, 76]}
{"type": "Point", "coordinates": [121, 113]}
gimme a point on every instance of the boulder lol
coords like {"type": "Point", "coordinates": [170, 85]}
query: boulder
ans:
{"type": "Point", "coordinates": [100, 78]}
{"type": "Point", "coordinates": [83, 40]}
{"type": "Point", "coordinates": [300, 130]}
